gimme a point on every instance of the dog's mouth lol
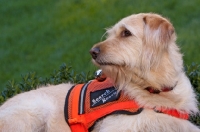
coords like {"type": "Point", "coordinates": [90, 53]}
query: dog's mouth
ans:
{"type": "Point", "coordinates": [103, 63]}
{"type": "Point", "coordinates": [106, 63]}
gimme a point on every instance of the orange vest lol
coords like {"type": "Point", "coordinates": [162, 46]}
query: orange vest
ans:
{"type": "Point", "coordinates": [88, 103]}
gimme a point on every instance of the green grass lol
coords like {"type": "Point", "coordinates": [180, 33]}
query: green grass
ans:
{"type": "Point", "coordinates": [40, 35]}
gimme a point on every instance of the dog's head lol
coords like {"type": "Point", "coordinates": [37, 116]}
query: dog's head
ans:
{"type": "Point", "coordinates": [140, 49]}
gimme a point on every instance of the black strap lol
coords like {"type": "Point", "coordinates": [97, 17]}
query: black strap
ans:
{"type": "Point", "coordinates": [66, 105]}
{"type": "Point", "coordinates": [125, 112]}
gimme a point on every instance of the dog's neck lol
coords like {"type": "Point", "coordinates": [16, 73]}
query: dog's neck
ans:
{"type": "Point", "coordinates": [156, 91]}
{"type": "Point", "coordinates": [134, 86]}
{"type": "Point", "coordinates": [170, 97]}
{"type": "Point", "coordinates": [163, 89]}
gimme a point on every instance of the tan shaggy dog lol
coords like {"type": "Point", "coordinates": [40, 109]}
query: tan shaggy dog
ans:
{"type": "Point", "coordinates": [140, 52]}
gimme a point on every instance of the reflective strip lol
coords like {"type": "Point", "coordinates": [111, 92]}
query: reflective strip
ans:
{"type": "Point", "coordinates": [82, 98]}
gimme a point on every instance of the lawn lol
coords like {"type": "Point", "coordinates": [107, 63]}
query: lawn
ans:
{"type": "Point", "coordinates": [40, 35]}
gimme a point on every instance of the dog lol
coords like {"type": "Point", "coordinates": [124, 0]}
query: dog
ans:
{"type": "Point", "coordinates": [142, 59]}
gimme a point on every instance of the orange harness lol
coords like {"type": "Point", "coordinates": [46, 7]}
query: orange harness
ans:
{"type": "Point", "coordinates": [88, 103]}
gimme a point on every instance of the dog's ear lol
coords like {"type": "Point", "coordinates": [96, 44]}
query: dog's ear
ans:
{"type": "Point", "coordinates": [157, 29]}
{"type": "Point", "coordinates": [158, 35]}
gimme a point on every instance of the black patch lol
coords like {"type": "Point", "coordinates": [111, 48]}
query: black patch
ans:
{"type": "Point", "coordinates": [103, 96]}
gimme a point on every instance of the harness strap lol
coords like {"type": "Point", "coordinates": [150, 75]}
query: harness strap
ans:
{"type": "Point", "coordinates": [92, 116]}
{"type": "Point", "coordinates": [76, 122]}
{"type": "Point", "coordinates": [81, 121]}
{"type": "Point", "coordinates": [173, 112]}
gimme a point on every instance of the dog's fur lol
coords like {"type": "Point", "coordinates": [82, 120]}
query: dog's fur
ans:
{"type": "Point", "coordinates": [139, 52]}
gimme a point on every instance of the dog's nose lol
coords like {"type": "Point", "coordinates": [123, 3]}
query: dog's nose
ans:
{"type": "Point", "coordinates": [94, 52]}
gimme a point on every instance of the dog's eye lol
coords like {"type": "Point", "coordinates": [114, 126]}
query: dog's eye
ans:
{"type": "Point", "coordinates": [126, 33]}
